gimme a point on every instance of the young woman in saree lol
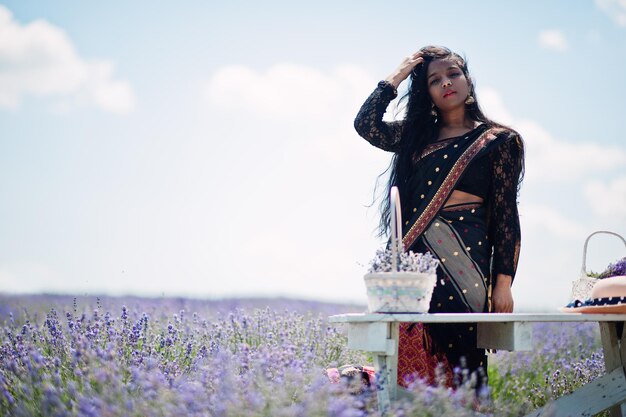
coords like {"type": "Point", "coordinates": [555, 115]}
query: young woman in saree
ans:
{"type": "Point", "coordinates": [458, 174]}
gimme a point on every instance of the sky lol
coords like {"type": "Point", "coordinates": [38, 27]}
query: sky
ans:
{"type": "Point", "coordinates": [207, 149]}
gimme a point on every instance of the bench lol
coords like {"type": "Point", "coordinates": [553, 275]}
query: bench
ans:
{"type": "Point", "coordinates": [378, 334]}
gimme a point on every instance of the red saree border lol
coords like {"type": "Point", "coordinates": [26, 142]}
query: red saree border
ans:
{"type": "Point", "coordinates": [442, 194]}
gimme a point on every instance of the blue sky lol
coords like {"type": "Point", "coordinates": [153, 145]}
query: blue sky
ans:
{"type": "Point", "coordinates": [207, 150]}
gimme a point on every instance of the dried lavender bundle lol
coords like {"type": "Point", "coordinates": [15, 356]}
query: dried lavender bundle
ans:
{"type": "Point", "coordinates": [409, 262]}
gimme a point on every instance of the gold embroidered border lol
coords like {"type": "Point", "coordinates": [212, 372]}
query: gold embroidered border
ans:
{"type": "Point", "coordinates": [433, 148]}
{"type": "Point", "coordinates": [446, 187]}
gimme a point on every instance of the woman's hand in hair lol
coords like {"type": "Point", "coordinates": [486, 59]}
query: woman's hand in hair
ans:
{"type": "Point", "coordinates": [501, 296]}
{"type": "Point", "coordinates": [404, 69]}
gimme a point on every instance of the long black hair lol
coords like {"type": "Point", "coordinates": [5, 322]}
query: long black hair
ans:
{"type": "Point", "coordinates": [420, 127]}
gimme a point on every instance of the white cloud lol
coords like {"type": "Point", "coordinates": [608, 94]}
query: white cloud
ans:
{"type": "Point", "coordinates": [615, 9]}
{"type": "Point", "coordinates": [321, 105]}
{"type": "Point", "coordinates": [553, 39]}
{"type": "Point", "coordinates": [556, 160]}
{"type": "Point", "coordinates": [549, 159]}
{"type": "Point", "coordinates": [493, 105]}
{"type": "Point", "coordinates": [607, 199]}
{"type": "Point", "coordinates": [289, 91]}
{"type": "Point", "coordinates": [39, 59]}
{"type": "Point", "coordinates": [543, 219]}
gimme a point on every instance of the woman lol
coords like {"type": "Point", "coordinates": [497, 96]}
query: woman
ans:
{"type": "Point", "coordinates": [458, 174]}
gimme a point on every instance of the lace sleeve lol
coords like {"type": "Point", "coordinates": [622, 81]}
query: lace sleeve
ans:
{"type": "Point", "coordinates": [507, 166]}
{"type": "Point", "coordinates": [369, 121]}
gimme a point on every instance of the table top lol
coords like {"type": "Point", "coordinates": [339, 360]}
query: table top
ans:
{"type": "Point", "coordinates": [473, 317]}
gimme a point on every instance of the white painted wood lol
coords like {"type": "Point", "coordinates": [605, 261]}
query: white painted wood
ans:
{"type": "Point", "coordinates": [392, 360]}
{"type": "Point", "coordinates": [386, 364]}
{"type": "Point", "coordinates": [387, 372]}
{"type": "Point", "coordinates": [500, 331]}
{"type": "Point", "coordinates": [589, 399]}
{"type": "Point", "coordinates": [382, 382]}
{"type": "Point", "coordinates": [505, 336]}
{"type": "Point", "coordinates": [475, 317]}
{"type": "Point", "coordinates": [613, 347]}
{"type": "Point", "coordinates": [370, 337]}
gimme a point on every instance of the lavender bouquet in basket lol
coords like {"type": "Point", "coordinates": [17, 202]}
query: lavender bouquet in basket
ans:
{"type": "Point", "coordinates": [397, 281]}
{"type": "Point", "coordinates": [408, 262]}
{"type": "Point", "coordinates": [407, 288]}
{"type": "Point", "coordinates": [614, 270]}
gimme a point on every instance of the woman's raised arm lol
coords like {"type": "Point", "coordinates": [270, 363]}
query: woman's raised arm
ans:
{"type": "Point", "coordinates": [369, 121]}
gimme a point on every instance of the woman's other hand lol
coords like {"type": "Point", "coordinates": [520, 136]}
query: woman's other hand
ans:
{"type": "Point", "coordinates": [501, 296]}
{"type": "Point", "coordinates": [404, 69]}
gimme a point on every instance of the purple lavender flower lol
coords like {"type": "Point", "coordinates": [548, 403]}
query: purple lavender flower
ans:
{"type": "Point", "coordinates": [237, 360]}
{"type": "Point", "coordinates": [615, 269]}
{"type": "Point", "coordinates": [408, 262]}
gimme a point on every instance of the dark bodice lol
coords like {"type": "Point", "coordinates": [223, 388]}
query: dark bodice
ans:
{"type": "Point", "coordinates": [493, 176]}
{"type": "Point", "coordinates": [477, 178]}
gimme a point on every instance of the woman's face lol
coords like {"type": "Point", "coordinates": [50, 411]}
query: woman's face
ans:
{"type": "Point", "coordinates": [447, 85]}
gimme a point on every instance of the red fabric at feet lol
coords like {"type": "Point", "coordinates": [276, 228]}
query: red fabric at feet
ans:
{"type": "Point", "coordinates": [414, 359]}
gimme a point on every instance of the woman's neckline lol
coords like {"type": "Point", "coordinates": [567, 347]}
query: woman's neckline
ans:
{"type": "Point", "coordinates": [459, 136]}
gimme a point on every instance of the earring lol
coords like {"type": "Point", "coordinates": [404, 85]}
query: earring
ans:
{"type": "Point", "coordinates": [433, 110]}
{"type": "Point", "coordinates": [470, 99]}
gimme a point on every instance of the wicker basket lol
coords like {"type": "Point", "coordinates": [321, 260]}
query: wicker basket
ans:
{"type": "Point", "coordinates": [581, 288]}
{"type": "Point", "coordinates": [398, 291]}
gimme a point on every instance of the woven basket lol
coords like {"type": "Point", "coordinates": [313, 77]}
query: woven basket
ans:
{"type": "Point", "coordinates": [581, 288]}
{"type": "Point", "coordinates": [398, 291]}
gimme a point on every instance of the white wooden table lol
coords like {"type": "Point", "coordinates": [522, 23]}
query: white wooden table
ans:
{"type": "Point", "coordinates": [378, 333]}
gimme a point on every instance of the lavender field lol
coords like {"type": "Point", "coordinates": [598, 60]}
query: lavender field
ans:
{"type": "Point", "coordinates": [89, 356]}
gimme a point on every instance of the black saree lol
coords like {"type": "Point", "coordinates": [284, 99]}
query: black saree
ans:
{"type": "Point", "coordinates": [458, 236]}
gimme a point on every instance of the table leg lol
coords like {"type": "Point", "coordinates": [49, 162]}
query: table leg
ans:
{"type": "Point", "coordinates": [614, 346]}
{"type": "Point", "coordinates": [392, 361]}
{"type": "Point", "coordinates": [387, 366]}
{"type": "Point", "coordinates": [382, 382]}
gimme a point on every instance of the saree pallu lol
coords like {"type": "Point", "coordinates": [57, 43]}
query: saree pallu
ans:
{"type": "Point", "coordinates": [458, 237]}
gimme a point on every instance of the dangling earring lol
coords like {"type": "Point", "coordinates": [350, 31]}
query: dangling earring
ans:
{"type": "Point", "coordinates": [433, 110]}
{"type": "Point", "coordinates": [470, 99]}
